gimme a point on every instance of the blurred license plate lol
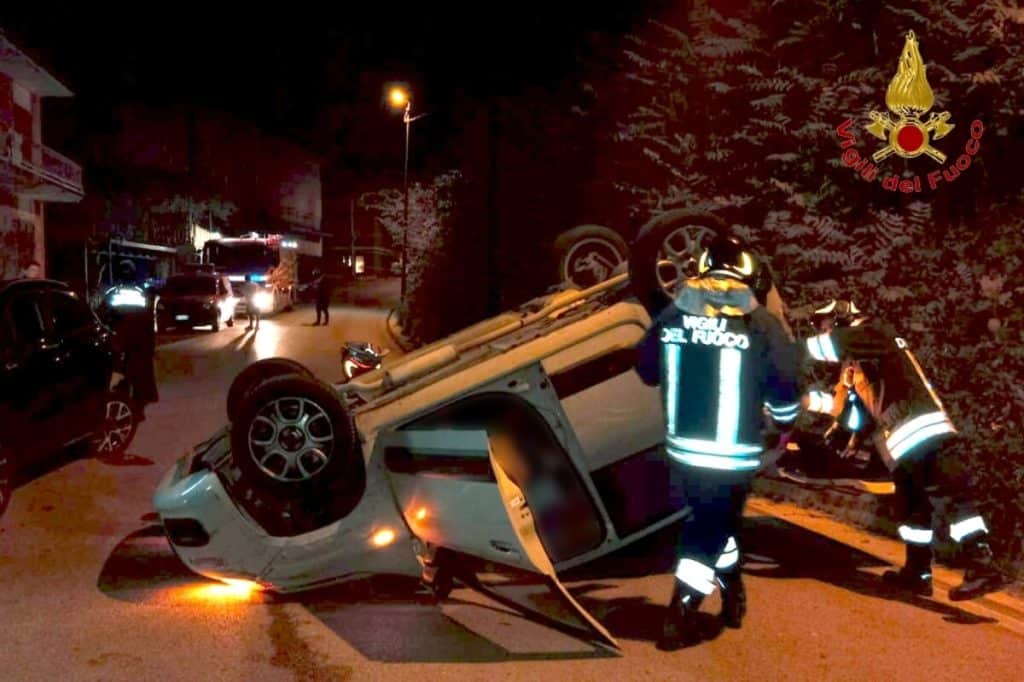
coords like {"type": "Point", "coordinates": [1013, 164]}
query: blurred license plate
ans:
{"type": "Point", "coordinates": [181, 317]}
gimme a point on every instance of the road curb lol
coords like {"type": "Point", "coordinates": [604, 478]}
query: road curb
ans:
{"type": "Point", "coordinates": [395, 332]}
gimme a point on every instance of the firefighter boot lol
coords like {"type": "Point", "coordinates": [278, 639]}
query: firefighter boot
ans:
{"type": "Point", "coordinates": [680, 628]}
{"type": "Point", "coordinates": [734, 599]}
{"type": "Point", "coordinates": [916, 576]}
{"type": "Point", "coordinates": [981, 576]}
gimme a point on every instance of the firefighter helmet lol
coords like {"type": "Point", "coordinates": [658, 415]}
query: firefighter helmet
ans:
{"type": "Point", "coordinates": [126, 271]}
{"type": "Point", "coordinates": [728, 256]}
{"type": "Point", "coordinates": [838, 312]}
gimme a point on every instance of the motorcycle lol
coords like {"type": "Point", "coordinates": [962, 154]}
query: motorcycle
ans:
{"type": "Point", "coordinates": [358, 358]}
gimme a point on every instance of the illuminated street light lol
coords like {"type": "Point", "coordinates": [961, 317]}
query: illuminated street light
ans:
{"type": "Point", "coordinates": [398, 97]}
{"type": "Point", "coordinates": [401, 99]}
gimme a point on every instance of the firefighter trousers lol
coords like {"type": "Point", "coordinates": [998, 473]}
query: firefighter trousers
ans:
{"type": "Point", "coordinates": [930, 480]}
{"type": "Point", "coordinates": [710, 536]}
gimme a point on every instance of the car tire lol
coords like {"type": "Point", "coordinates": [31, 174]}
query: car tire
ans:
{"type": "Point", "coordinates": [588, 254]}
{"type": "Point", "coordinates": [293, 439]}
{"type": "Point", "coordinates": [7, 469]}
{"type": "Point", "coordinates": [257, 372]}
{"type": "Point", "coordinates": [120, 422]}
{"type": "Point", "coordinates": [669, 243]}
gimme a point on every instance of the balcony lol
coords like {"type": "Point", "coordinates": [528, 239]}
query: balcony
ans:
{"type": "Point", "coordinates": [38, 172]}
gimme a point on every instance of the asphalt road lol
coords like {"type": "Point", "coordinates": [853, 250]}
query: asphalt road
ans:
{"type": "Point", "coordinates": [89, 589]}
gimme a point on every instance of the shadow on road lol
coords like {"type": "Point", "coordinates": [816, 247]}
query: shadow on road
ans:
{"type": "Point", "coordinates": [141, 563]}
{"type": "Point", "coordinates": [772, 549]}
{"type": "Point", "coordinates": [143, 569]}
{"type": "Point", "coordinates": [38, 468]}
{"type": "Point", "coordinates": [385, 618]}
{"type": "Point", "coordinates": [394, 619]}
{"type": "Point", "coordinates": [784, 550]}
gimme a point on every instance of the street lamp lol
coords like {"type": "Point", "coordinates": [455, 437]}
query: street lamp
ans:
{"type": "Point", "coordinates": [399, 99]}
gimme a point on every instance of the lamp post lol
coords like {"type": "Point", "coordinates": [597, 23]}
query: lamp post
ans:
{"type": "Point", "coordinates": [407, 120]}
{"type": "Point", "coordinates": [399, 98]}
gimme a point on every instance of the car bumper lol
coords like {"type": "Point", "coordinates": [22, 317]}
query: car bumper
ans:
{"type": "Point", "coordinates": [216, 539]}
{"type": "Point", "coordinates": [187, 318]}
{"type": "Point", "coordinates": [223, 542]}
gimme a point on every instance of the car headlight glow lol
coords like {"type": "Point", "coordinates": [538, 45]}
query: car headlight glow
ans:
{"type": "Point", "coordinates": [128, 298]}
{"type": "Point", "coordinates": [264, 301]}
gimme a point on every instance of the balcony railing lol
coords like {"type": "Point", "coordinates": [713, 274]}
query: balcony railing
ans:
{"type": "Point", "coordinates": [43, 163]}
{"type": "Point", "coordinates": [61, 169]}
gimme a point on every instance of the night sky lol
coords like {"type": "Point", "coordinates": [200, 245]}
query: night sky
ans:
{"type": "Point", "coordinates": [311, 74]}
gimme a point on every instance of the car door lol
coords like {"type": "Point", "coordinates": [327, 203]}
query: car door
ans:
{"type": "Point", "coordinates": [476, 479]}
{"type": "Point", "coordinates": [83, 361]}
{"type": "Point", "coordinates": [619, 424]}
{"type": "Point", "coordinates": [30, 407]}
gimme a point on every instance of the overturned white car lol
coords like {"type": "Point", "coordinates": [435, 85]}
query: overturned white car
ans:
{"type": "Point", "coordinates": [526, 442]}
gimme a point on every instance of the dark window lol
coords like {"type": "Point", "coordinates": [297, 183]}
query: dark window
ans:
{"type": "Point", "coordinates": [640, 490]}
{"type": "Point", "coordinates": [24, 318]}
{"type": "Point", "coordinates": [241, 256]}
{"type": "Point", "coordinates": [594, 372]}
{"type": "Point", "coordinates": [68, 313]}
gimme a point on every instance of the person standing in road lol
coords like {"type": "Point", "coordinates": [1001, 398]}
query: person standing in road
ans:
{"type": "Point", "coordinates": [251, 293]}
{"type": "Point", "coordinates": [722, 360]}
{"type": "Point", "coordinates": [322, 288]}
{"type": "Point", "coordinates": [913, 434]}
{"type": "Point", "coordinates": [129, 313]}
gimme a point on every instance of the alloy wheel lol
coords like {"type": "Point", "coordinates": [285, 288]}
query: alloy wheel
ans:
{"type": "Point", "coordinates": [291, 439]}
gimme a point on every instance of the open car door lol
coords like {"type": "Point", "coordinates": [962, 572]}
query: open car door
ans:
{"type": "Point", "coordinates": [455, 495]}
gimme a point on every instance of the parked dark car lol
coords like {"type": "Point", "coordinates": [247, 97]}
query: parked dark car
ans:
{"type": "Point", "coordinates": [60, 378]}
{"type": "Point", "coordinates": [196, 299]}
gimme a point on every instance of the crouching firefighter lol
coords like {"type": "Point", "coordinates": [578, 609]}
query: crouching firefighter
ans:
{"type": "Point", "coordinates": [721, 358]}
{"type": "Point", "coordinates": [913, 435]}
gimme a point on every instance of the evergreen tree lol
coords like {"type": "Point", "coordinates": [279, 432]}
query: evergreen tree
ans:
{"type": "Point", "coordinates": [733, 108]}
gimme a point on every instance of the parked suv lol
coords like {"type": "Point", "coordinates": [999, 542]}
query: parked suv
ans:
{"type": "Point", "coordinates": [59, 382]}
{"type": "Point", "coordinates": [195, 300]}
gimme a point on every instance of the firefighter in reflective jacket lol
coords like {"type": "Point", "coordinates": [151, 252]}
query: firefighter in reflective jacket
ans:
{"type": "Point", "coordinates": [721, 359]}
{"type": "Point", "coordinates": [913, 434]}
